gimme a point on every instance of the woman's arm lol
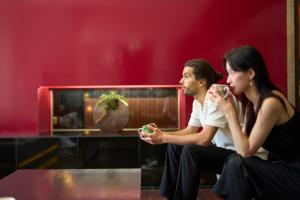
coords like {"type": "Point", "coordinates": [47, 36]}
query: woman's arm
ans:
{"type": "Point", "coordinates": [270, 113]}
{"type": "Point", "coordinates": [267, 117]}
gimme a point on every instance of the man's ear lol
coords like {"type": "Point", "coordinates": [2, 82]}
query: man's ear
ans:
{"type": "Point", "coordinates": [202, 82]}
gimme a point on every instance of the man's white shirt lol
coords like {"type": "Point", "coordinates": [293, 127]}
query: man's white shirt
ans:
{"type": "Point", "coordinates": [207, 114]}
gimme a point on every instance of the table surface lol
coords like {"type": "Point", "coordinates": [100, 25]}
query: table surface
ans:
{"type": "Point", "coordinates": [74, 134]}
{"type": "Point", "coordinates": [71, 184]}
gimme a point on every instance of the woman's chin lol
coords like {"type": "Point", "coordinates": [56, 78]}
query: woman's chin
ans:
{"type": "Point", "coordinates": [236, 92]}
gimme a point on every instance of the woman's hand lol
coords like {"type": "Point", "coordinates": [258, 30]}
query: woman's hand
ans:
{"type": "Point", "coordinates": [226, 106]}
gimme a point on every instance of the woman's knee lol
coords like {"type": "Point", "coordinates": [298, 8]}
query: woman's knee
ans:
{"type": "Point", "coordinates": [234, 162]}
{"type": "Point", "coordinates": [236, 166]}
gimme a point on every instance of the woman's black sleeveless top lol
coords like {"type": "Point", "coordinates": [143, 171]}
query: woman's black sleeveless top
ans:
{"type": "Point", "coordinates": [284, 139]}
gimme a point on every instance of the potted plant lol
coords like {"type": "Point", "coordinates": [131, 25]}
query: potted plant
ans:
{"type": "Point", "coordinates": [111, 100]}
{"type": "Point", "coordinates": [111, 112]}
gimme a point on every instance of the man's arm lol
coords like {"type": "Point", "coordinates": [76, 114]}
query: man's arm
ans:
{"type": "Point", "coordinates": [203, 138]}
{"type": "Point", "coordinates": [187, 131]}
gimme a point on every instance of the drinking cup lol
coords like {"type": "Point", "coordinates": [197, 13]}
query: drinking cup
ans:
{"type": "Point", "coordinates": [223, 90]}
{"type": "Point", "coordinates": [144, 131]}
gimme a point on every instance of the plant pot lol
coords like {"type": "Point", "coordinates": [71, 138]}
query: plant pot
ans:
{"type": "Point", "coordinates": [111, 120]}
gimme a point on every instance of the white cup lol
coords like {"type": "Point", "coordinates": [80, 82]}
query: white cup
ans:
{"type": "Point", "coordinates": [144, 131]}
{"type": "Point", "coordinates": [223, 89]}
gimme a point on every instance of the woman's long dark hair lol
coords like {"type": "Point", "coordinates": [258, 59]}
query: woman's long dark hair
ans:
{"type": "Point", "coordinates": [242, 59]}
{"type": "Point", "coordinates": [204, 70]}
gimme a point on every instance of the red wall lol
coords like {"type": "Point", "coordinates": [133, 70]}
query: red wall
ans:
{"type": "Point", "coordinates": [115, 42]}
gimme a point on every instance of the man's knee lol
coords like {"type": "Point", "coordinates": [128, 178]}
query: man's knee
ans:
{"type": "Point", "coordinates": [193, 151]}
{"type": "Point", "coordinates": [174, 149]}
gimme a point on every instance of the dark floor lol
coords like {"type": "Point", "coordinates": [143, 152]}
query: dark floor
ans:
{"type": "Point", "coordinates": [204, 194]}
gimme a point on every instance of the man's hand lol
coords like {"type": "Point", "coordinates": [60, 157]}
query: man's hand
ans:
{"type": "Point", "coordinates": [157, 137]}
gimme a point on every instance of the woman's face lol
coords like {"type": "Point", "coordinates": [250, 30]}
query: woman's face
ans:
{"type": "Point", "coordinates": [238, 81]}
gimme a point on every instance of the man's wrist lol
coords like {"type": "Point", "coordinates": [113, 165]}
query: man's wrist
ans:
{"type": "Point", "coordinates": [165, 138]}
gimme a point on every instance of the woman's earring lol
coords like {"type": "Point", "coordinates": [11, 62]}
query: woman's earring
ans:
{"type": "Point", "coordinates": [250, 82]}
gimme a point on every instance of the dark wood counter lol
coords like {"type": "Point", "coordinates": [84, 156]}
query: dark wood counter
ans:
{"type": "Point", "coordinates": [78, 151]}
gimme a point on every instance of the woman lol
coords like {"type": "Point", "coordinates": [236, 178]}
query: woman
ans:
{"type": "Point", "coordinates": [270, 122]}
{"type": "Point", "coordinates": [190, 152]}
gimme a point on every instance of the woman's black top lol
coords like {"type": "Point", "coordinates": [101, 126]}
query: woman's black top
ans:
{"type": "Point", "coordinates": [284, 139]}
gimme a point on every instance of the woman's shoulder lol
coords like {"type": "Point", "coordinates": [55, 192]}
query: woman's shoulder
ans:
{"type": "Point", "coordinates": [277, 104]}
{"type": "Point", "coordinates": [277, 99]}
{"type": "Point", "coordinates": [272, 104]}
{"type": "Point", "coordinates": [278, 94]}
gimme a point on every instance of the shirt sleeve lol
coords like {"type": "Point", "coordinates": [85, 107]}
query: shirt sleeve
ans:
{"type": "Point", "coordinates": [195, 118]}
{"type": "Point", "coordinates": [213, 116]}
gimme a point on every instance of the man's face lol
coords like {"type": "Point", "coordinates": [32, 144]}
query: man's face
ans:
{"type": "Point", "coordinates": [189, 82]}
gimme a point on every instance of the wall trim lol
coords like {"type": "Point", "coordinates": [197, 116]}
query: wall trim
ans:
{"type": "Point", "coordinates": [291, 51]}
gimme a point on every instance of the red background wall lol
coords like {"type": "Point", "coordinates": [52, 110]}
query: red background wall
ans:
{"type": "Point", "coordinates": [115, 42]}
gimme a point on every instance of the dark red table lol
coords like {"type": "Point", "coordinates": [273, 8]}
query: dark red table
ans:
{"type": "Point", "coordinates": [72, 184]}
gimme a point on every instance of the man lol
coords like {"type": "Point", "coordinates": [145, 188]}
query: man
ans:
{"type": "Point", "coordinates": [190, 152]}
